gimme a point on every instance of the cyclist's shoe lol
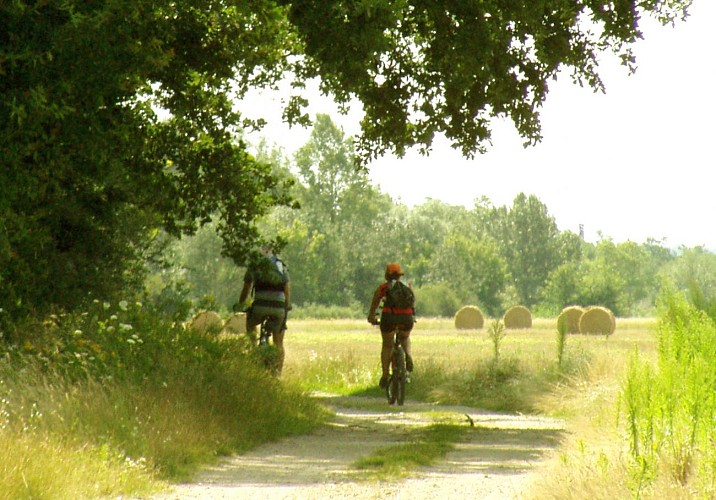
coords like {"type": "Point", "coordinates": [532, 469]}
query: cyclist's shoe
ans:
{"type": "Point", "coordinates": [383, 382]}
{"type": "Point", "coordinates": [409, 363]}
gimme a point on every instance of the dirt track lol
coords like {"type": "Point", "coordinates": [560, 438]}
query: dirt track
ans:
{"type": "Point", "coordinates": [497, 462]}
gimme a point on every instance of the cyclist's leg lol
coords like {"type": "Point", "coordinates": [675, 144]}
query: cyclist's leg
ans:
{"type": "Point", "coordinates": [278, 330]}
{"type": "Point", "coordinates": [405, 340]}
{"type": "Point", "coordinates": [252, 321]}
{"type": "Point", "coordinates": [405, 325]}
{"type": "Point", "coordinates": [386, 351]}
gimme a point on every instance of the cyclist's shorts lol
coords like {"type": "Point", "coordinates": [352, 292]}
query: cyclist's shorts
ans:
{"type": "Point", "coordinates": [256, 315]}
{"type": "Point", "coordinates": [389, 322]}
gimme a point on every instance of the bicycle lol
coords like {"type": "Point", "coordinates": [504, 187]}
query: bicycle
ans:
{"type": "Point", "coordinates": [398, 376]}
{"type": "Point", "coordinates": [266, 350]}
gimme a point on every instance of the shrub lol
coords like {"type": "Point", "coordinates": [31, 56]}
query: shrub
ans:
{"type": "Point", "coordinates": [597, 320]}
{"type": "Point", "coordinates": [322, 311]}
{"type": "Point", "coordinates": [517, 317]}
{"type": "Point", "coordinates": [569, 317]}
{"type": "Point", "coordinates": [469, 317]}
{"type": "Point", "coordinates": [436, 300]}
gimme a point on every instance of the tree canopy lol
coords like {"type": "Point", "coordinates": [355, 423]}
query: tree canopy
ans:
{"type": "Point", "coordinates": [118, 120]}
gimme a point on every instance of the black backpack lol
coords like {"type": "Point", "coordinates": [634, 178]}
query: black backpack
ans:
{"type": "Point", "coordinates": [399, 296]}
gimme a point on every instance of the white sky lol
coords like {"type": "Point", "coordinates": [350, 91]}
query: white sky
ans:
{"type": "Point", "coordinates": [634, 163]}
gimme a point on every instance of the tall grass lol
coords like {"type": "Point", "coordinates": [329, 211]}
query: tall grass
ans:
{"type": "Point", "coordinates": [670, 410]}
{"type": "Point", "coordinates": [130, 397]}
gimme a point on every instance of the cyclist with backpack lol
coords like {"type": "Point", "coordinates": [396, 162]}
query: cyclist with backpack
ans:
{"type": "Point", "coordinates": [268, 278]}
{"type": "Point", "coordinates": [397, 313]}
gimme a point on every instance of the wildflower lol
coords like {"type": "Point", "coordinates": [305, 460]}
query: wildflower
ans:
{"type": "Point", "coordinates": [123, 305]}
{"type": "Point", "coordinates": [125, 327]}
{"type": "Point", "coordinates": [106, 305]}
{"type": "Point", "coordinates": [77, 333]}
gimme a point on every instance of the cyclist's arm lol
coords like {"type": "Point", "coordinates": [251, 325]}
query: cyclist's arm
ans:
{"type": "Point", "coordinates": [377, 295]}
{"type": "Point", "coordinates": [245, 292]}
{"type": "Point", "coordinates": [287, 293]}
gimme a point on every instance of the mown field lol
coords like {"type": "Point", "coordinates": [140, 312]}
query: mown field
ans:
{"type": "Point", "coordinates": [343, 356]}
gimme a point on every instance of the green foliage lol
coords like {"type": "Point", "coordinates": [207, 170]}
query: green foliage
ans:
{"type": "Point", "coordinates": [91, 169]}
{"type": "Point", "coordinates": [437, 300]}
{"type": "Point", "coordinates": [319, 311]}
{"type": "Point", "coordinates": [474, 269]}
{"type": "Point", "coordinates": [102, 148]}
{"type": "Point", "coordinates": [417, 72]}
{"type": "Point", "coordinates": [119, 378]}
{"type": "Point", "coordinates": [530, 246]}
{"type": "Point", "coordinates": [669, 411]}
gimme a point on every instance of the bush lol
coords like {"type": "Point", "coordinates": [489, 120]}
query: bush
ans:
{"type": "Point", "coordinates": [118, 377]}
{"type": "Point", "coordinates": [436, 300]}
{"type": "Point", "coordinates": [321, 311]}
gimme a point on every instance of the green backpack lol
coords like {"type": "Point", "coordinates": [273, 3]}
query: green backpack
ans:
{"type": "Point", "coordinates": [399, 296]}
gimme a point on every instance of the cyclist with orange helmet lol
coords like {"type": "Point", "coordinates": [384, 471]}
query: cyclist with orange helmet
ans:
{"type": "Point", "coordinates": [397, 313]}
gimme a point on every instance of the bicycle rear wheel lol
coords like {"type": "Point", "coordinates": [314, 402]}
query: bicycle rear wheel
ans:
{"type": "Point", "coordinates": [396, 385]}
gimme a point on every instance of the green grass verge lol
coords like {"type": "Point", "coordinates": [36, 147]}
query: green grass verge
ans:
{"type": "Point", "coordinates": [423, 447]}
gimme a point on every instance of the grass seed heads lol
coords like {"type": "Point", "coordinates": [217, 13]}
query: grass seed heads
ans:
{"type": "Point", "coordinates": [517, 317]}
{"type": "Point", "coordinates": [206, 322]}
{"type": "Point", "coordinates": [236, 323]}
{"type": "Point", "coordinates": [570, 316]}
{"type": "Point", "coordinates": [597, 320]}
{"type": "Point", "coordinates": [469, 317]}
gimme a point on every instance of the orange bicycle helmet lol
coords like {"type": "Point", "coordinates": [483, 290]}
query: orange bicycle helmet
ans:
{"type": "Point", "coordinates": [393, 269]}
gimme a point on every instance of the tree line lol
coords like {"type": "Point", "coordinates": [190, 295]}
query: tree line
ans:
{"type": "Point", "coordinates": [346, 230]}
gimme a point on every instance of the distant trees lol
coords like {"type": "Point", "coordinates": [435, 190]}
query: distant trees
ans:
{"type": "Point", "coordinates": [338, 243]}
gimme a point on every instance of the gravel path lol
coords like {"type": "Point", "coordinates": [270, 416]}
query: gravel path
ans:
{"type": "Point", "coordinates": [498, 461]}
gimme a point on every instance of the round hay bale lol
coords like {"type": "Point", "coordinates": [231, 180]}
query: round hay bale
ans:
{"type": "Point", "coordinates": [517, 317]}
{"type": "Point", "coordinates": [206, 322]}
{"type": "Point", "coordinates": [597, 320]}
{"type": "Point", "coordinates": [235, 324]}
{"type": "Point", "coordinates": [570, 316]}
{"type": "Point", "coordinates": [469, 317]}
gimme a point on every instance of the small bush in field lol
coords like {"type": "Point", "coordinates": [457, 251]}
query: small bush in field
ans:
{"type": "Point", "coordinates": [496, 332]}
{"type": "Point", "coordinates": [436, 300]}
